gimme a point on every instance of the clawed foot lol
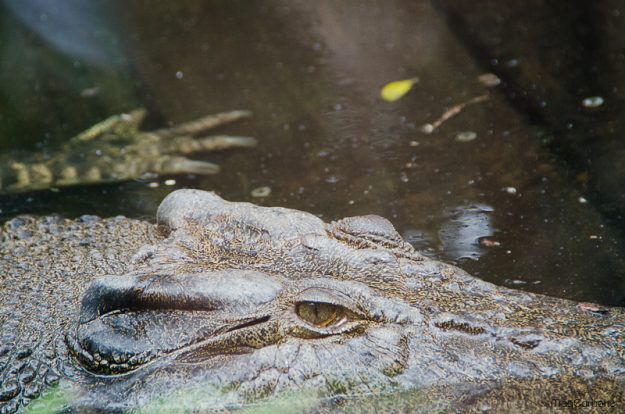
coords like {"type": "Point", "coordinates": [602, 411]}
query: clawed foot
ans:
{"type": "Point", "coordinates": [116, 150]}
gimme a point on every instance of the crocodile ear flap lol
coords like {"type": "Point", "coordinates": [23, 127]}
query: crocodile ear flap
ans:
{"type": "Point", "coordinates": [369, 227]}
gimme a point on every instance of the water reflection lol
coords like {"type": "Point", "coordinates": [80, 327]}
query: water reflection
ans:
{"type": "Point", "coordinates": [83, 30]}
{"type": "Point", "coordinates": [464, 228]}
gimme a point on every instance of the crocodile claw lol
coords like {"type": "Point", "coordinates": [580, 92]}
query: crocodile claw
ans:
{"type": "Point", "coordinates": [182, 165]}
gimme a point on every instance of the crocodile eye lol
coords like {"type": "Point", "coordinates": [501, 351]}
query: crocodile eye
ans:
{"type": "Point", "coordinates": [321, 315]}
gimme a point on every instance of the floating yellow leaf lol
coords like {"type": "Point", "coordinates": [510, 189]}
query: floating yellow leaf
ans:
{"type": "Point", "coordinates": [394, 90]}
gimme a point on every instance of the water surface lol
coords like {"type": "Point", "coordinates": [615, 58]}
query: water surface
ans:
{"type": "Point", "coordinates": [534, 201]}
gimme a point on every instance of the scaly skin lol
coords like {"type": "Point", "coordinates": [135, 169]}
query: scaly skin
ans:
{"type": "Point", "coordinates": [115, 150]}
{"type": "Point", "coordinates": [235, 304]}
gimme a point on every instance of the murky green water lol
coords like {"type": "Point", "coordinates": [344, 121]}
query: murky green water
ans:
{"type": "Point", "coordinates": [540, 185]}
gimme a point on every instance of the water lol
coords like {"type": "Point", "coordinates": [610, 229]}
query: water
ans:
{"type": "Point", "coordinates": [505, 204]}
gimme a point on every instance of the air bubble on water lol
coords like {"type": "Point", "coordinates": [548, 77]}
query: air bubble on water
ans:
{"type": "Point", "coordinates": [592, 102]}
{"type": "Point", "coordinates": [466, 136]}
{"type": "Point", "coordinates": [512, 63]}
{"type": "Point", "coordinates": [427, 128]}
{"type": "Point", "coordinates": [261, 191]}
{"type": "Point", "coordinates": [489, 80]}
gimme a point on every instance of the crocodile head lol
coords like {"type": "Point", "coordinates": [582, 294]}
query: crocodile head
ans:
{"type": "Point", "coordinates": [252, 301]}
{"type": "Point", "coordinates": [244, 302]}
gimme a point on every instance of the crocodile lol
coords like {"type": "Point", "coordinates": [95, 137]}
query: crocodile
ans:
{"type": "Point", "coordinates": [239, 305]}
{"type": "Point", "coordinates": [115, 150]}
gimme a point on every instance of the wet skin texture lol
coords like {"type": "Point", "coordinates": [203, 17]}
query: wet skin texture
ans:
{"type": "Point", "coordinates": [256, 302]}
{"type": "Point", "coordinates": [116, 150]}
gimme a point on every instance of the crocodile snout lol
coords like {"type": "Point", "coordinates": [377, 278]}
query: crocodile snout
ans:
{"type": "Point", "coordinates": [128, 321]}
